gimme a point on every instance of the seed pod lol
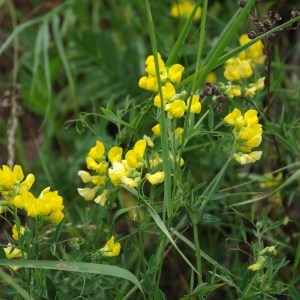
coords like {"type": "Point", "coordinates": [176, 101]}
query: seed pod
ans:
{"type": "Point", "coordinates": [252, 35]}
{"type": "Point", "coordinates": [242, 3]}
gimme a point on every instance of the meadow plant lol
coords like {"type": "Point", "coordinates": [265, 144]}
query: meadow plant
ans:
{"type": "Point", "coordinates": [177, 187]}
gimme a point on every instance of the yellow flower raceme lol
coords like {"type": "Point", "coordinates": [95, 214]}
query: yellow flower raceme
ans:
{"type": "Point", "coordinates": [184, 9]}
{"type": "Point", "coordinates": [111, 248]}
{"type": "Point", "coordinates": [171, 74]}
{"type": "Point", "coordinates": [248, 134]}
{"type": "Point", "coordinates": [49, 205]}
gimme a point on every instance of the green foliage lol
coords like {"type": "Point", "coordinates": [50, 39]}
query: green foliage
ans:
{"type": "Point", "coordinates": [209, 227]}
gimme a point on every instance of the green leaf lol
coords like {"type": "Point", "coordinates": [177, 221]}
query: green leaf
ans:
{"type": "Point", "coordinates": [51, 289]}
{"type": "Point", "coordinates": [294, 293]}
{"type": "Point", "coordinates": [69, 266]}
{"type": "Point", "coordinates": [114, 118]}
{"type": "Point", "coordinates": [164, 229]}
{"type": "Point", "coordinates": [208, 218]}
{"type": "Point", "coordinates": [202, 290]}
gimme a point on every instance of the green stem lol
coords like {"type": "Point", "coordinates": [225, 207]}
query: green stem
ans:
{"type": "Point", "coordinates": [167, 205]}
{"type": "Point", "coordinates": [214, 185]}
{"type": "Point", "coordinates": [197, 249]}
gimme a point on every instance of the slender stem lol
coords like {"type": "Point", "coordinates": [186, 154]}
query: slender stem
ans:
{"type": "Point", "coordinates": [167, 205]}
{"type": "Point", "coordinates": [215, 184]}
{"type": "Point", "coordinates": [13, 120]}
{"type": "Point", "coordinates": [197, 250]}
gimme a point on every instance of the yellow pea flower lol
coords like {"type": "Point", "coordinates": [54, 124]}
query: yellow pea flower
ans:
{"type": "Point", "coordinates": [176, 109]}
{"type": "Point", "coordinates": [155, 178]}
{"type": "Point", "coordinates": [111, 248]}
{"type": "Point", "coordinates": [12, 252]}
{"type": "Point", "coordinates": [156, 129]}
{"type": "Point", "coordinates": [168, 91]}
{"type": "Point", "coordinates": [184, 9]}
{"type": "Point", "coordinates": [115, 154]}
{"type": "Point", "coordinates": [10, 177]}
{"type": "Point", "coordinates": [195, 105]}
{"type": "Point", "coordinates": [101, 199]}
{"type": "Point", "coordinates": [175, 73]}
{"type": "Point", "coordinates": [87, 193]}
{"type": "Point", "coordinates": [97, 151]}
{"type": "Point", "coordinates": [244, 158]}
{"type": "Point", "coordinates": [139, 149]}
{"type": "Point", "coordinates": [131, 159]}
{"type": "Point", "coordinates": [17, 232]}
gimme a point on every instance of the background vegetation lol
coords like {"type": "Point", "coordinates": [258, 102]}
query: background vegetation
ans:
{"type": "Point", "coordinates": [63, 60]}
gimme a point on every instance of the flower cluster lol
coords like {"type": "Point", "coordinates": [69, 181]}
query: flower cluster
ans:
{"type": "Point", "coordinates": [174, 104]}
{"type": "Point", "coordinates": [248, 135]}
{"type": "Point", "coordinates": [113, 169]}
{"type": "Point", "coordinates": [242, 67]}
{"type": "Point", "coordinates": [263, 255]}
{"type": "Point", "coordinates": [16, 192]}
{"type": "Point", "coordinates": [184, 9]}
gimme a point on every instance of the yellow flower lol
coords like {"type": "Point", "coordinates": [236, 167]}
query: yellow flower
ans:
{"type": "Point", "coordinates": [260, 83]}
{"type": "Point", "coordinates": [236, 69]}
{"type": "Point", "coordinates": [234, 91]}
{"type": "Point", "coordinates": [131, 182]}
{"type": "Point", "coordinates": [196, 104]}
{"type": "Point", "coordinates": [211, 77]}
{"type": "Point", "coordinates": [26, 184]}
{"type": "Point", "coordinates": [17, 232]}
{"type": "Point", "coordinates": [139, 149]}
{"type": "Point", "coordinates": [92, 164]}
{"type": "Point", "coordinates": [255, 51]}
{"type": "Point", "coordinates": [234, 118]}
{"type": "Point", "coordinates": [259, 264]}
{"type": "Point", "coordinates": [155, 178]}
{"type": "Point", "coordinates": [87, 193]}
{"type": "Point", "coordinates": [9, 179]}
{"type": "Point", "coordinates": [115, 154]}
{"type": "Point", "coordinates": [244, 158]}
{"type": "Point", "coordinates": [12, 252]}
{"type": "Point", "coordinates": [250, 91]}
{"type": "Point", "coordinates": [178, 133]}
{"type": "Point", "coordinates": [176, 109]}
{"type": "Point", "coordinates": [101, 199]}
{"type": "Point", "coordinates": [184, 9]}
{"type": "Point", "coordinates": [111, 248]}
{"type": "Point", "coordinates": [117, 172]}
{"type": "Point", "coordinates": [85, 176]}
{"type": "Point", "coordinates": [97, 151]}
{"type": "Point", "coordinates": [148, 83]}
{"type": "Point", "coordinates": [168, 91]}
{"type": "Point", "coordinates": [56, 216]}
{"type": "Point", "coordinates": [175, 73]}
{"type": "Point", "coordinates": [131, 159]}
{"type": "Point", "coordinates": [148, 141]}
{"type": "Point", "coordinates": [271, 180]}
{"type": "Point", "coordinates": [156, 129]}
